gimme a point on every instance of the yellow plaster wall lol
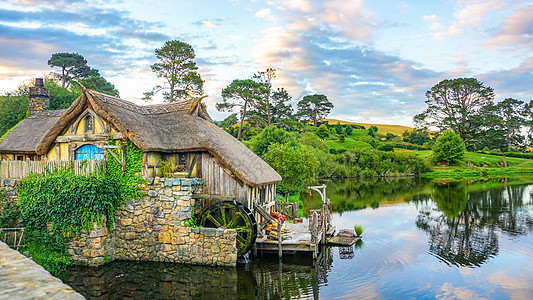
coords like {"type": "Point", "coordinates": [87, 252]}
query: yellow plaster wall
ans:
{"type": "Point", "coordinates": [52, 154]}
{"type": "Point", "coordinates": [64, 151]}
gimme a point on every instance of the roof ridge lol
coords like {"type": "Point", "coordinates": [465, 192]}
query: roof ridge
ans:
{"type": "Point", "coordinates": [144, 110]}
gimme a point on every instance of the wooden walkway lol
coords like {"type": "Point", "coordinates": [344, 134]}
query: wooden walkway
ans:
{"type": "Point", "coordinates": [299, 239]}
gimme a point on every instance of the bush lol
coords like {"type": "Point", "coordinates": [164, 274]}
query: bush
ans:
{"type": "Point", "coordinates": [271, 135]}
{"type": "Point", "coordinates": [322, 131]}
{"type": "Point", "coordinates": [386, 147]}
{"type": "Point", "coordinates": [449, 147]}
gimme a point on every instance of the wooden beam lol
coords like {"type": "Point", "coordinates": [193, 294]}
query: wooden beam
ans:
{"type": "Point", "coordinates": [213, 197]}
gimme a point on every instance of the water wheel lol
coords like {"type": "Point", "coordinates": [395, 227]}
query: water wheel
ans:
{"type": "Point", "coordinates": [232, 215]}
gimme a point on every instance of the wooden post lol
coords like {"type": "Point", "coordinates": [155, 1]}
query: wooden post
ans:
{"type": "Point", "coordinates": [280, 251]}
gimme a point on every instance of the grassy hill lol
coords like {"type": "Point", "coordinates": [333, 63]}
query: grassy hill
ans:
{"type": "Point", "coordinates": [382, 128]}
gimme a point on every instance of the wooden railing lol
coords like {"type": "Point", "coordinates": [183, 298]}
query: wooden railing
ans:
{"type": "Point", "coordinates": [13, 237]}
{"type": "Point", "coordinates": [20, 169]}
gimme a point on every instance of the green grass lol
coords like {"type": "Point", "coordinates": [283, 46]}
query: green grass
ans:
{"type": "Point", "coordinates": [348, 144]}
{"type": "Point", "coordinates": [490, 163]}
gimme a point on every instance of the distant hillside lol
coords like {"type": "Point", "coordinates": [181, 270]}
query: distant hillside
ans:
{"type": "Point", "coordinates": [382, 128]}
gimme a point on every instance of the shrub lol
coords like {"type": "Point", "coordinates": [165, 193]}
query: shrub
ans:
{"type": "Point", "coordinates": [449, 147]}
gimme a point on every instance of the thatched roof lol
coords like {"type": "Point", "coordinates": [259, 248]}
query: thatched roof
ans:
{"type": "Point", "coordinates": [174, 127]}
{"type": "Point", "coordinates": [25, 137]}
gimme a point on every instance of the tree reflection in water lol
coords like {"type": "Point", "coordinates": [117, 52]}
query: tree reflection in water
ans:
{"type": "Point", "coordinates": [464, 229]}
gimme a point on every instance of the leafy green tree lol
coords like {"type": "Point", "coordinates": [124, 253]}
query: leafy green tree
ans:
{"type": "Point", "coordinates": [342, 138]}
{"type": "Point", "coordinates": [296, 164]}
{"type": "Point", "coordinates": [449, 147]}
{"type": "Point", "coordinates": [61, 97]}
{"type": "Point", "coordinates": [271, 135]}
{"type": "Point", "coordinates": [229, 121]}
{"type": "Point", "coordinates": [373, 128]}
{"type": "Point", "coordinates": [455, 104]}
{"type": "Point", "coordinates": [13, 107]}
{"type": "Point", "coordinates": [263, 105]}
{"type": "Point", "coordinates": [314, 107]}
{"type": "Point", "coordinates": [100, 84]}
{"type": "Point", "coordinates": [338, 128]}
{"type": "Point", "coordinates": [177, 66]}
{"type": "Point", "coordinates": [72, 65]}
{"type": "Point", "coordinates": [416, 136]}
{"type": "Point", "coordinates": [281, 108]}
{"type": "Point", "coordinates": [348, 130]}
{"type": "Point", "coordinates": [511, 112]}
{"type": "Point", "coordinates": [240, 93]}
{"type": "Point", "coordinates": [322, 131]}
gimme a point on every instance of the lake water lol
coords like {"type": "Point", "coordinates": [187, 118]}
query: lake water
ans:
{"type": "Point", "coordinates": [422, 239]}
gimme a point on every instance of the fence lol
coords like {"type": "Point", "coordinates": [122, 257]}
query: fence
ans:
{"type": "Point", "coordinates": [20, 169]}
{"type": "Point", "coordinates": [13, 237]}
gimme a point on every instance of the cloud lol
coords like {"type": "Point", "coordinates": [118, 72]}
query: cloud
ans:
{"type": "Point", "coordinates": [469, 15]}
{"type": "Point", "coordinates": [515, 31]}
{"type": "Point", "coordinates": [316, 54]}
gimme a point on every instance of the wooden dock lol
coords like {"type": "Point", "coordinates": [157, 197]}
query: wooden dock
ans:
{"type": "Point", "coordinates": [299, 239]}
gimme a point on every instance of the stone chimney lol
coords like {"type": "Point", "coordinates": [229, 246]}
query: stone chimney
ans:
{"type": "Point", "coordinates": [39, 97]}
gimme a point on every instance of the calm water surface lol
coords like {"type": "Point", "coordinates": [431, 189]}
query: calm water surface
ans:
{"type": "Point", "coordinates": [423, 240]}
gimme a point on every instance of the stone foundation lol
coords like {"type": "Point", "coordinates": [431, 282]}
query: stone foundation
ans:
{"type": "Point", "coordinates": [152, 228]}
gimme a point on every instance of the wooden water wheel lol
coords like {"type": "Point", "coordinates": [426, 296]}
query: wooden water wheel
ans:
{"type": "Point", "coordinates": [232, 215]}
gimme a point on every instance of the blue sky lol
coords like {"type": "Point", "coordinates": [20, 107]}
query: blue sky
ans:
{"type": "Point", "coordinates": [373, 59]}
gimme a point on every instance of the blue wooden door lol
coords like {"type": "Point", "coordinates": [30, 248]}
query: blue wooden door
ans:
{"type": "Point", "coordinates": [89, 152]}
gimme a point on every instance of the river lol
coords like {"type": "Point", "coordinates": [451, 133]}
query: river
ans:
{"type": "Point", "coordinates": [423, 239]}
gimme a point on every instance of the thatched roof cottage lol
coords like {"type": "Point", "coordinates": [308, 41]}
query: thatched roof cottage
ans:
{"type": "Point", "coordinates": [180, 132]}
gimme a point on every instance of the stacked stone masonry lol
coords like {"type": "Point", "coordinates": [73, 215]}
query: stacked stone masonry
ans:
{"type": "Point", "coordinates": [152, 228]}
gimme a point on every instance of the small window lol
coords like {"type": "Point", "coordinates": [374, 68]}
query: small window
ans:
{"type": "Point", "coordinates": [20, 157]}
{"type": "Point", "coordinates": [89, 124]}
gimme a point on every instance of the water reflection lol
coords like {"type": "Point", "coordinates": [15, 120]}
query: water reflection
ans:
{"type": "Point", "coordinates": [464, 228]}
{"type": "Point", "coordinates": [295, 277]}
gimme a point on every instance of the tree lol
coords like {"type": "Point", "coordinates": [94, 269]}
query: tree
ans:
{"type": "Point", "coordinates": [240, 93]}
{"type": "Point", "coordinates": [455, 104]}
{"type": "Point", "coordinates": [338, 128]}
{"type": "Point", "coordinates": [314, 107]}
{"type": "Point", "coordinates": [511, 112]}
{"type": "Point", "coordinates": [13, 107]}
{"type": "Point", "coordinates": [176, 65]}
{"type": "Point", "coordinates": [100, 84]}
{"type": "Point", "coordinates": [348, 130]}
{"type": "Point", "coordinates": [449, 147]}
{"type": "Point", "coordinates": [296, 165]}
{"type": "Point", "coordinates": [280, 107]}
{"type": "Point", "coordinates": [263, 104]}
{"type": "Point", "coordinates": [72, 65]}
{"type": "Point", "coordinates": [229, 121]}
{"type": "Point", "coordinates": [271, 135]}
{"type": "Point", "coordinates": [322, 132]}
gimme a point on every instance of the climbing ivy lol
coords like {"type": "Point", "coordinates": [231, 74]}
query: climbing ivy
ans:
{"type": "Point", "coordinates": [129, 180]}
{"type": "Point", "coordinates": [61, 204]}
{"type": "Point", "coordinates": [67, 203]}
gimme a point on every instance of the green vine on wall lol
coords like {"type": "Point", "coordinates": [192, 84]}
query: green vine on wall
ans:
{"type": "Point", "coordinates": [129, 180]}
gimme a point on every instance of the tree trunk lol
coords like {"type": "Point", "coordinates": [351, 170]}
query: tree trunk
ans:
{"type": "Point", "coordinates": [171, 97]}
{"type": "Point", "coordinates": [242, 120]}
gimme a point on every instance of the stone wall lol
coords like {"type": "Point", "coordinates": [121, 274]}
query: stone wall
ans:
{"type": "Point", "coordinates": [94, 248]}
{"type": "Point", "coordinates": [152, 228]}
{"type": "Point", "coordinates": [10, 186]}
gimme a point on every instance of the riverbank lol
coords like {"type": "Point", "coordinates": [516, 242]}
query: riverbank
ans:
{"type": "Point", "coordinates": [21, 278]}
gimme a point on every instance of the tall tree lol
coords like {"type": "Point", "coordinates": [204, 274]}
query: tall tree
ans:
{"type": "Point", "coordinates": [176, 65]}
{"type": "Point", "coordinates": [72, 65]}
{"type": "Point", "coordinates": [314, 107]}
{"type": "Point", "coordinates": [240, 93]}
{"type": "Point", "coordinates": [263, 104]}
{"type": "Point", "coordinates": [455, 104]}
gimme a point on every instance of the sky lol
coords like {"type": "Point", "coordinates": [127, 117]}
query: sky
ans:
{"type": "Point", "coordinates": [374, 60]}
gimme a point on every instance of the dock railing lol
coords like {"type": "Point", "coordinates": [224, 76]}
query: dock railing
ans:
{"type": "Point", "coordinates": [18, 169]}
